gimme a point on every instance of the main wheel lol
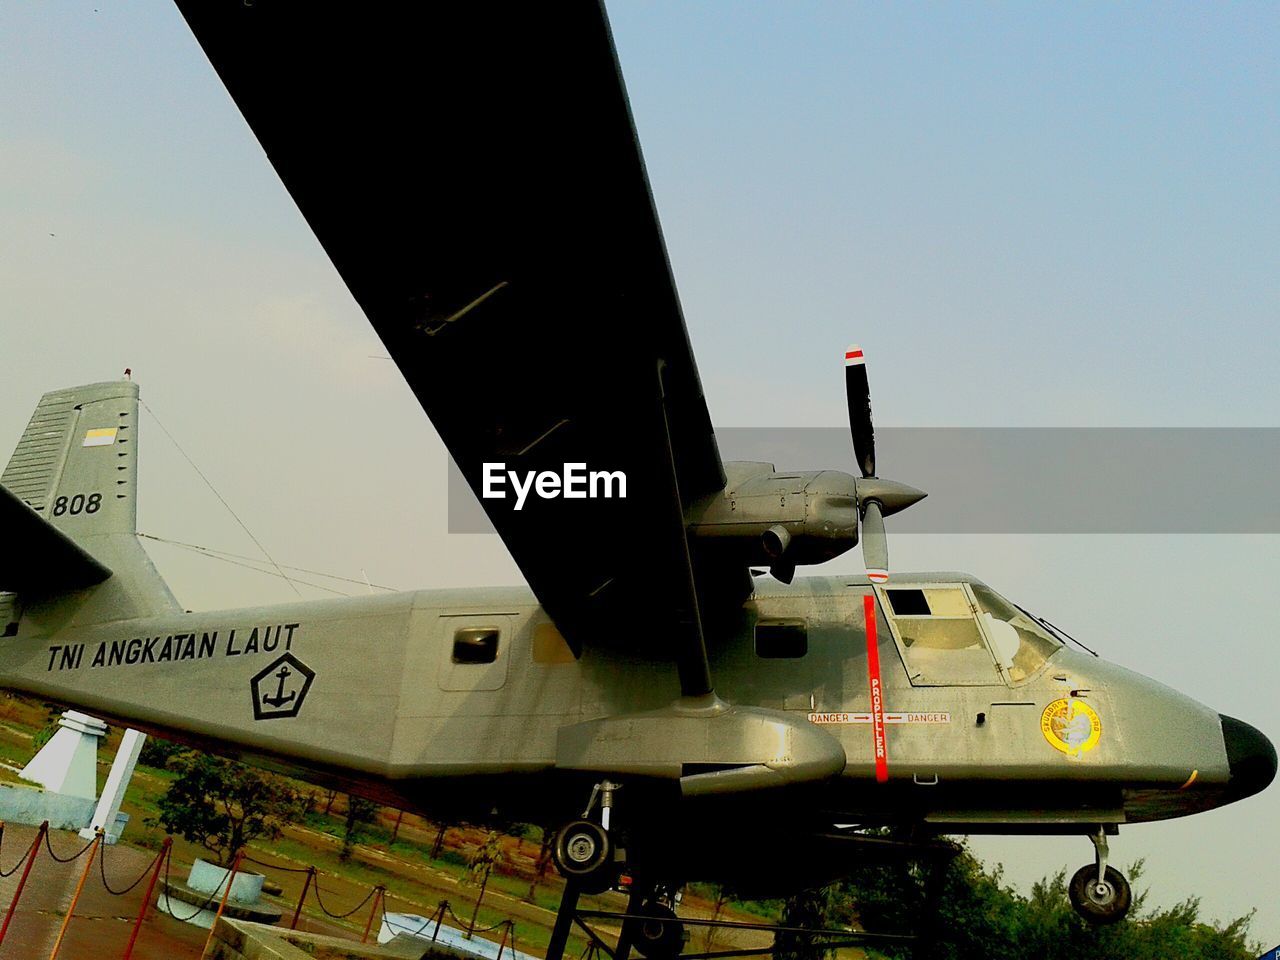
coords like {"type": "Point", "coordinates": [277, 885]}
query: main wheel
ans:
{"type": "Point", "coordinates": [660, 938]}
{"type": "Point", "coordinates": [1100, 903]}
{"type": "Point", "coordinates": [583, 851]}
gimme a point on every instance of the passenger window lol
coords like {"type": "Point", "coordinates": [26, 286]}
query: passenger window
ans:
{"type": "Point", "coordinates": [475, 645]}
{"type": "Point", "coordinates": [781, 639]}
{"type": "Point", "coordinates": [940, 637]}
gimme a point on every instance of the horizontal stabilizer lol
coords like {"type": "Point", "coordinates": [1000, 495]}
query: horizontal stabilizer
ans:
{"type": "Point", "coordinates": [36, 558]}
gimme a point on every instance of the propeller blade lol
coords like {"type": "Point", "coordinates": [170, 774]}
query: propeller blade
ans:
{"type": "Point", "coordinates": [859, 396]}
{"type": "Point", "coordinates": [875, 547]}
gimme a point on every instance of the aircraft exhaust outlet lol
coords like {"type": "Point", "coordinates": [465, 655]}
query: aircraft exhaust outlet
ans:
{"type": "Point", "coordinates": [776, 540]}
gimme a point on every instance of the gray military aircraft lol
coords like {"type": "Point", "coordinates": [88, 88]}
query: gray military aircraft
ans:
{"type": "Point", "coordinates": [473, 173]}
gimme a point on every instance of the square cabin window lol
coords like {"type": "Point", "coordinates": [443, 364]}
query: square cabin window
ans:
{"type": "Point", "coordinates": [782, 639]}
{"type": "Point", "coordinates": [475, 645]}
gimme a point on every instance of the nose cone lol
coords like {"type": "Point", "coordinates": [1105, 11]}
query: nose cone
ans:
{"type": "Point", "coordinates": [893, 496]}
{"type": "Point", "coordinates": [1251, 757]}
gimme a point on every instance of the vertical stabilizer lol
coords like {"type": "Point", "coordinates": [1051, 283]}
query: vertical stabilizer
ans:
{"type": "Point", "coordinates": [76, 466]}
{"type": "Point", "coordinates": [77, 463]}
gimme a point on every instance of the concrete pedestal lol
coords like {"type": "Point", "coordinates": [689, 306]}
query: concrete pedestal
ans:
{"type": "Point", "coordinates": [68, 763]}
{"type": "Point", "coordinates": [196, 901]}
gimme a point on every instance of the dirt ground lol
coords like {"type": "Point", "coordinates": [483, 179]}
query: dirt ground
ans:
{"type": "Point", "coordinates": [102, 923]}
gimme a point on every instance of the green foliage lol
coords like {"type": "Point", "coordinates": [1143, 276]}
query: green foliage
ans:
{"type": "Point", "coordinates": [157, 752]}
{"type": "Point", "coordinates": [360, 814]}
{"type": "Point", "coordinates": [810, 909]}
{"type": "Point", "coordinates": [979, 917]}
{"type": "Point", "coordinates": [45, 733]}
{"type": "Point", "coordinates": [451, 858]}
{"type": "Point", "coordinates": [484, 858]}
{"type": "Point", "coordinates": [223, 805]}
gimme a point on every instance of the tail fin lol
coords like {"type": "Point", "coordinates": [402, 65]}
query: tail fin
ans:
{"type": "Point", "coordinates": [76, 468]}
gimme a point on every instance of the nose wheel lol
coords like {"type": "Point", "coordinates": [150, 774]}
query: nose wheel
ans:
{"type": "Point", "coordinates": [1100, 893]}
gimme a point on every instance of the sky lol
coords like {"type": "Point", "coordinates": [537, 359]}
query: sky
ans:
{"type": "Point", "coordinates": [1029, 215]}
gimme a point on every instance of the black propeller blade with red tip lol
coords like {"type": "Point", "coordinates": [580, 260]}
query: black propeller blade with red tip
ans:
{"type": "Point", "coordinates": [877, 498]}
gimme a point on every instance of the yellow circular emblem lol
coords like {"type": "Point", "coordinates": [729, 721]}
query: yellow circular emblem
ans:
{"type": "Point", "coordinates": [1071, 726]}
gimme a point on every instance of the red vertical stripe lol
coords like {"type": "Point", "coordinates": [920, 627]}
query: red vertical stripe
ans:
{"type": "Point", "coordinates": [877, 690]}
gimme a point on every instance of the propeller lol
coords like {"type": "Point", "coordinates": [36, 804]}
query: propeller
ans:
{"type": "Point", "coordinates": [875, 548]}
{"type": "Point", "coordinates": [877, 498]}
{"type": "Point", "coordinates": [858, 393]}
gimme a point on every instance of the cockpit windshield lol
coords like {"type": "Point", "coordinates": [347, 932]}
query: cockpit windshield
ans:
{"type": "Point", "coordinates": [965, 634]}
{"type": "Point", "coordinates": [1020, 643]}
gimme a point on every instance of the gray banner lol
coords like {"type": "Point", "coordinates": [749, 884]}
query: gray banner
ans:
{"type": "Point", "coordinates": [1030, 479]}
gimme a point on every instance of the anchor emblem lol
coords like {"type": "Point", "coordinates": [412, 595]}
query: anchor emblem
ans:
{"type": "Point", "coordinates": [279, 700]}
{"type": "Point", "coordinates": [280, 687]}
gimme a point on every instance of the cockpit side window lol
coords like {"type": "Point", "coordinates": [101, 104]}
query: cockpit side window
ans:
{"type": "Point", "coordinates": [939, 636]}
{"type": "Point", "coordinates": [1021, 645]}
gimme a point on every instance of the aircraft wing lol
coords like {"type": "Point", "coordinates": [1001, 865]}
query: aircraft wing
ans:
{"type": "Point", "coordinates": [473, 172]}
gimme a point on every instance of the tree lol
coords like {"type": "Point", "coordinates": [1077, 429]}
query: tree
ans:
{"type": "Point", "coordinates": [808, 909]}
{"type": "Point", "coordinates": [542, 863]}
{"type": "Point", "coordinates": [157, 752]}
{"type": "Point", "coordinates": [53, 714]}
{"type": "Point", "coordinates": [437, 847]}
{"type": "Point", "coordinates": [721, 900]}
{"type": "Point", "coordinates": [979, 917]}
{"type": "Point", "coordinates": [360, 813]}
{"type": "Point", "coordinates": [223, 805]}
{"type": "Point", "coordinates": [479, 865]}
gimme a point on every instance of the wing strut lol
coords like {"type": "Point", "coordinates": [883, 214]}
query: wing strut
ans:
{"type": "Point", "coordinates": [690, 646]}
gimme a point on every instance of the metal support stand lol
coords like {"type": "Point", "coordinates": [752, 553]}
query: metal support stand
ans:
{"type": "Point", "coordinates": [634, 902]}
{"type": "Point", "coordinates": [873, 849]}
{"type": "Point", "coordinates": [564, 921]}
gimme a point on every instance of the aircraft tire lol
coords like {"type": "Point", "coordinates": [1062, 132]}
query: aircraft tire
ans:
{"type": "Point", "coordinates": [654, 939]}
{"type": "Point", "coordinates": [1100, 906]}
{"type": "Point", "coordinates": [583, 851]}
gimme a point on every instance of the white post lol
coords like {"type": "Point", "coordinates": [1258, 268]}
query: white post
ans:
{"type": "Point", "coordinates": [68, 763]}
{"type": "Point", "coordinates": [117, 782]}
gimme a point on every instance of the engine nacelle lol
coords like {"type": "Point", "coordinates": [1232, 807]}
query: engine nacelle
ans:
{"type": "Point", "coordinates": [764, 517]}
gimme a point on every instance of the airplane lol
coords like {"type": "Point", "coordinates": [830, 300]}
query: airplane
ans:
{"type": "Point", "coordinates": [477, 183]}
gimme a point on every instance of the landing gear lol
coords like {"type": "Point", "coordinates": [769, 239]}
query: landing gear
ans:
{"type": "Point", "coordinates": [584, 851]}
{"type": "Point", "coordinates": [1100, 893]}
{"type": "Point", "coordinates": [655, 931]}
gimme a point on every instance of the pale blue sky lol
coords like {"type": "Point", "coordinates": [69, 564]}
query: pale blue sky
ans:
{"type": "Point", "coordinates": [1027, 214]}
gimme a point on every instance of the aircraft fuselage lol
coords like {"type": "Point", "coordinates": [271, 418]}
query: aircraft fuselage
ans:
{"type": "Point", "coordinates": [469, 702]}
